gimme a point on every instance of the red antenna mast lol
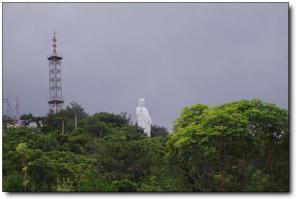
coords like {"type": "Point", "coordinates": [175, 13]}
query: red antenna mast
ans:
{"type": "Point", "coordinates": [54, 45]}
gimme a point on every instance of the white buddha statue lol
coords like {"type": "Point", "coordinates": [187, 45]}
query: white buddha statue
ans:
{"type": "Point", "coordinates": [143, 119]}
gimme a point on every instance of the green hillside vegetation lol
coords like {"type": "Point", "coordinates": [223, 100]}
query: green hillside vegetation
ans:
{"type": "Point", "coordinates": [238, 146]}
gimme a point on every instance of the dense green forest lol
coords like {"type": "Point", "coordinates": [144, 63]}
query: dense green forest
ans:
{"type": "Point", "coordinates": [238, 146]}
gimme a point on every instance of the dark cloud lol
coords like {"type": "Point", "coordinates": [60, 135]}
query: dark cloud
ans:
{"type": "Point", "coordinates": [172, 54]}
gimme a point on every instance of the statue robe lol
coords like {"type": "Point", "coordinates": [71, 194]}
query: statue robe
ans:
{"type": "Point", "coordinates": [143, 119]}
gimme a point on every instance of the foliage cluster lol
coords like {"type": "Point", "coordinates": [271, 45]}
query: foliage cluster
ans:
{"type": "Point", "coordinates": [238, 146]}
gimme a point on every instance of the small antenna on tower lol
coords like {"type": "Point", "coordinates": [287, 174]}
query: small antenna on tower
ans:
{"type": "Point", "coordinates": [54, 45]}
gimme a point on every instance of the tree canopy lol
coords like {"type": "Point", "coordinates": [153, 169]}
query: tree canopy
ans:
{"type": "Point", "coordinates": [237, 146]}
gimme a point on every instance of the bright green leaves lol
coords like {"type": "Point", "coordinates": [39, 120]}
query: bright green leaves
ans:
{"type": "Point", "coordinates": [225, 147]}
{"type": "Point", "coordinates": [237, 146]}
{"type": "Point", "coordinates": [23, 150]}
{"type": "Point", "coordinates": [190, 116]}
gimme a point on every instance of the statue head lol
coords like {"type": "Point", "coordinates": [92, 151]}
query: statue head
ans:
{"type": "Point", "coordinates": [141, 102]}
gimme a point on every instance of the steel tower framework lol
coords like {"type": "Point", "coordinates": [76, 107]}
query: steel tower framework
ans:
{"type": "Point", "coordinates": [55, 100]}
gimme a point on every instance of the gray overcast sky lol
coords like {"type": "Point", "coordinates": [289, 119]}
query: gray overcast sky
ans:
{"type": "Point", "coordinates": [172, 54]}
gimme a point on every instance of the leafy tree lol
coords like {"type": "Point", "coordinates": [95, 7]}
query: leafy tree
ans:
{"type": "Point", "coordinates": [100, 124]}
{"type": "Point", "coordinates": [23, 150]}
{"type": "Point", "coordinates": [228, 147]}
{"type": "Point", "coordinates": [238, 146]}
{"type": "Point", "coordinates": [13, 183]}
{"type": "Point", "coordinates": [54, 121]}
{"type": "Point", "coordinates": [159, 131]}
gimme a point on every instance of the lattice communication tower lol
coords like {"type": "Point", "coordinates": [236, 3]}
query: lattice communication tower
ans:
{"type": "Point", "coordinates": [55, 100]}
